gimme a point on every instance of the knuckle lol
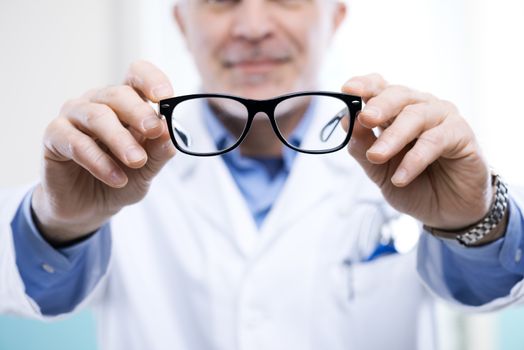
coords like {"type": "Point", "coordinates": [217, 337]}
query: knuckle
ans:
{"type": "Point", "coordinates": [125, 91]}
{"type": "Point", "coordinates": [97, 113]}
{"type": "Point", "coordinates": [119, 140]}
{"type": "Point", "coordinates": [135, 71]}
{"type": "Point", "coordinates": [75, 146]}
{"type": "Point", "coordinates": [86, 152]}
{"type": "Point", "coordinates": [412, 111]}
{"type": "Point", "coordinates": [141, 109]}
{"type": "Point", "coordinates": [391, 135]}
{"type": "Point", "coordinates": [389, 101]}
{"type": "Point", "coordinates": [55, 124]}
{"type": "Point", "coordinates": [133, 79]}
{"type": "Point", "coordinates": [113, 93]}
{"type": "Point", "coordinates": [448, 106]}
{"type": "Point", "coordinates": [96, 157]}
{"type": "Point", "coordinates": [91, 93]}
{"type": "Point", "coordinates": [70, 105]}
{"type": "Point", "coordinates": [137, 64]}
{"type": "Point", "coordinates": [375, 77]}
{"type": "Point", "coordinates": [434, 139]}
{"type": "Point", "coordinates": [399, 89]}
{"type": "Point", "coordinates": [417, 156]}
{"type": "Point", "coordinates": [52, 131]}
{"type": "Point", "coordinates": [105, 94]}
{"type": "Point", "coordinates": [426, 96]}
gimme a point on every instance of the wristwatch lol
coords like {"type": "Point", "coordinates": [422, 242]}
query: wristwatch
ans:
{"type": "Point", "coordinates": [471, 235]}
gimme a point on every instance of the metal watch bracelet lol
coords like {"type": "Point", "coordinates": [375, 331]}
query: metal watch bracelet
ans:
{"type": "Point", "coordinates": [476, 232]}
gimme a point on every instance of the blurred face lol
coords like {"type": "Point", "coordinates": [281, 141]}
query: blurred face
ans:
{"type": "Point", "coordinates": [258, 48]}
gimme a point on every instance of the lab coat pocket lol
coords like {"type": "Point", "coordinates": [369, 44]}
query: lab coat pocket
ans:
{"type": "Point", "coordinates": [379, 277]}
{"type": "Point", "coordinates": [383, 304]}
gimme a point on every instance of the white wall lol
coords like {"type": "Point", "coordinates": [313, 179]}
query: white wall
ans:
{"type": "Point", "coordinates": [467, 51]}
{"type": "Point", "coordinates": [51, 51]}
{"type": "Point", "coordinates": [495, 32]}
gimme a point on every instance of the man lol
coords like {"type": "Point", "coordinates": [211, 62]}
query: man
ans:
{"type": "Point", "coordinates": [260, 248]}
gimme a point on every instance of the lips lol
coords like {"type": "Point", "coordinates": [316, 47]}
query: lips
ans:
{"type": "Point", "coordinates": [256, 66]}
{"type": "Point", "coordinates": [261, 57]}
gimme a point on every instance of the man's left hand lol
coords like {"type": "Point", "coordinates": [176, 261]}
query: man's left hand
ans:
{"type": "Point", "coordinates": [426, 159]}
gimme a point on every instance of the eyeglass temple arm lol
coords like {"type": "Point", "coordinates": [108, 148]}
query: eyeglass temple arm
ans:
{"type": "Point", "coordinates": [332, 124]}
{"type": "Point", "coordinates": [178, 129]}
{"type": "Point", "coordinates": [182, 133]}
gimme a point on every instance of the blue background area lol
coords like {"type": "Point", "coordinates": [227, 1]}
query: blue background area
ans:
{"type": "Point", "coordinates": [511, 323]}
{"type": "Point", "coordinates": [76, 332]}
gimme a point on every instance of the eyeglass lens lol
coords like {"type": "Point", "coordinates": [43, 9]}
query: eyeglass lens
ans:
{"type": "Point", "coordinates": [325, 131]}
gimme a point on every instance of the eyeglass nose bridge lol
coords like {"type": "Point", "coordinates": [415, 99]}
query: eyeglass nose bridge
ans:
{"type": "Point", "coordinates": [266, 107]}
{"type": "Point", "coordinates": [261, 106]}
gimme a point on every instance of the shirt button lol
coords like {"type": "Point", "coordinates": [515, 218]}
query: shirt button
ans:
{"type": "Point", "coordinates": [48, 268]}
{"type": "Point", "coordinates": [518, 255]}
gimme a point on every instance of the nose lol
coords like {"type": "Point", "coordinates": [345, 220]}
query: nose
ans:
{"type": "Point", "coordinates": [253, 20]}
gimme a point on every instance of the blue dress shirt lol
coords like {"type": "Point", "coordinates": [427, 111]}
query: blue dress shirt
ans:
{"type": "Point", "coordinates": [477, 275]}
{"type": "Point", "coordinates": [259, 179]}
{"type": "Point", "coordinates": [58, 279]}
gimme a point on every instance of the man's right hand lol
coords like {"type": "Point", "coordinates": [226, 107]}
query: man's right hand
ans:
{"type": "Point", "coordinates": [100, 154]}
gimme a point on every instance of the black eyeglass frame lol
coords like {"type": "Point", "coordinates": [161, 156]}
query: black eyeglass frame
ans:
{"type": "Point", "coordinates": [353, 103]}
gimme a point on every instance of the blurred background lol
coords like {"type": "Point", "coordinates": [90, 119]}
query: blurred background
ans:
{"type": "Point", "coordinates": [470, 52]}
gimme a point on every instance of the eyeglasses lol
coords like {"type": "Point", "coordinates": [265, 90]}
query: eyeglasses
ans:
{"type": "Point", "coordinates": [236, 114]}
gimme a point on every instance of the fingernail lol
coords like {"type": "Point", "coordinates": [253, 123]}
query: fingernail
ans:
{"type": "Point", "coordinates": [380, 147]}
{"type": "Point", "coordinates": [372, 112]}
{"type": "Point", "coordinates": [162, 91]}
{"type": "Point", "coordinates": [354, 85]}
{"type": "Point", "coordinates": [399, 177]}
{"type": "Point", "coordinates": [117, 178]}
{"type": "Point", "coordinates": [134, 155]}
{"type": "Point", "coordinates": [151, 123]}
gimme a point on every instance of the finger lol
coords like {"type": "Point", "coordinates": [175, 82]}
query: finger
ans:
{"type": "Point", "coordinates": [361, 139]}
{"type": "Point", "coordinates": [160, 150]}
{"type": "Point", "coordinates": [366, 86]}
{"type": "Point", "coordinates": [131, 109]}
{"type": "Point", "coordinates": [101, 122]}
{"type": "Point", "coordinates": [150, 81]}
{"type": "Point", "coordinates": [407, 126]}
{"type": "Point", "coordinates": [65, 142]}
{"type": "Point", "coordinates": [429, 147]}
{"type": "Point", "coordinates": [381, 109]}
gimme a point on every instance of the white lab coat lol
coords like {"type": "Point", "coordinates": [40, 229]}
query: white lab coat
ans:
{"type": "Point", "coordinates": [189, 270]}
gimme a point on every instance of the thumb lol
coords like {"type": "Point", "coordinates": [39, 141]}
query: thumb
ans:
{"type": "Point", "coordinates": [362, 139]}
{"type": "Point", "coordinates": [160, 151]}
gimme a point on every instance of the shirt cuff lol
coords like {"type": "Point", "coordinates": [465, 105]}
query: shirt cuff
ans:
{"type": "Point", "coordinates": [58, 259]}
{"type": "Point", "coordinates": [506, 251]}
{"type": "Point", "coordinates": [57, 279]}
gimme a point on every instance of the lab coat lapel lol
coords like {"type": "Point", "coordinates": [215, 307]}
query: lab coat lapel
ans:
{"type": "Point", "coordinates": [313, 180]}
{"type": "Point", "coordinates": [210, 187]}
